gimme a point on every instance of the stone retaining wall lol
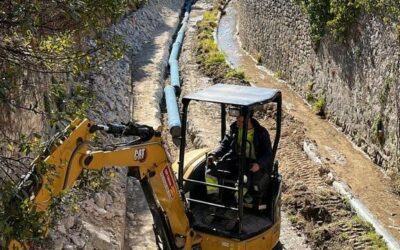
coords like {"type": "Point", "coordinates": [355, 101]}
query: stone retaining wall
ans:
{"type": "Point", "coordinates": [359, 79]}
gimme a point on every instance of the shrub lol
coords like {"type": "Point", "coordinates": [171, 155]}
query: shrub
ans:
{"type": "Point", "coordinates": [280, 74]}
{"type": "Point", "coordinates": [259, 58]}
{"type": "Point", "coordinates": [214, 58]}
{"type": "Point", "coordinates": [377, 130]}
{"type": "Point", "coordinates": [236, 73]}
{"type": "Point", "coordinates": [319, 106]}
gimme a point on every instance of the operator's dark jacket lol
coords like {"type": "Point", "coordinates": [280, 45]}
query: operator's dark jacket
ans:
{"type": "Point", "coordinates": [261, 142]}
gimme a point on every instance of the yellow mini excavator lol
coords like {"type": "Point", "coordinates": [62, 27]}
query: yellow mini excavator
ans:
{"type": "Point", "coordinates": [186, 208]}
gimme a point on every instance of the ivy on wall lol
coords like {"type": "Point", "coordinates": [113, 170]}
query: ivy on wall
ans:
{"type": "Point", "coordinates": [338, 16]}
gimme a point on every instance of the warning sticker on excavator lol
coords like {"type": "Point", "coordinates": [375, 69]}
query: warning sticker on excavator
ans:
{"type": "Point", "coordinates": [168, 182]}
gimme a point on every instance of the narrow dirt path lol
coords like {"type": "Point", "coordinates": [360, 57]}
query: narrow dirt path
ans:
{"type": "Point", "coordinates": [148, 72]}
{"type": "Point", "coordinates": [348, 162]}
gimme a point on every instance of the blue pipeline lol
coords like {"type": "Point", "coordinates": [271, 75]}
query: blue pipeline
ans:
{"type": "Point", "coordinates": [174, 121]}
{"type": "Point", "coordinates": [179, 38]}
{"type": "Point", "coordinates": [174, 53]}
{"type": "Point", "coordinates": [174, 56]}
{"type": "Point", "coordinates": [183, 27]}
{"type": "Point", "coordinates": [185, 18]}
{"type": "Point", "coordinates": [174, 71]}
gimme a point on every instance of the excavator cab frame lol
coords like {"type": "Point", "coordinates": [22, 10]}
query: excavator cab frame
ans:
{"type": "Point", "coordinates": [246, 100]}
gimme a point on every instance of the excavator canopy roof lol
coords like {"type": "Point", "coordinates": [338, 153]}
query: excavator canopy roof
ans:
{"type": "Point", "coordinates": [235, 95]}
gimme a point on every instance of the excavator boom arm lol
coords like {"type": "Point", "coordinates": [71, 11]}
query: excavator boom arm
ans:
{"type": "Point", "coordinates": [70, 156]}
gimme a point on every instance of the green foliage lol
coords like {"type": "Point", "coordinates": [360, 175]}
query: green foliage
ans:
{"type": "Point", "coordinates": [389, 10]}
{"type": "Point", "coordinates": [346, 203]}
{"type": "Point", "coordinates": [54, 37]}
{"type": "Point", "coordinates": [40, 38]}
{"type": "Point", "coordinates": [8, 89]}
{"type": "Point", "coordinates": [344, 237]}
{"type": "Point", "coordinates": [377, 130]}
{"type": "Point", "coordinates": [214, 58]}
{"type": "Point", "coordinates": [208, 45]}
{"type": "Point", "coordinates": [319, 106]}
{"type": "Point", "coordinates": [376, 240]}
{"type": "Point", "coordinates": [318, 12]}
{"type": "Point", "coordinates": [310, 97]}
{"type": "Point", "coordinates": [208, 54]}
{"type": "Point", "coordinates": [293, 219]}
{"type": "Point", "coordinates": [19, 217]}
{"type": "Point", "coordinates": [68, 103]}
{"type": "Point", "coordinates": [310, 92]}
{"type": "Point", "coordinates": [383, 98]}
{"type": "Point", "coordinates": [319, 235]}
{"type": "Point", "coordinates": [344, 13]}
{"type": "Point", "coordinates": [66, 202]}
{"type": "Point", "coordinates": [27, 145]}
{"type": "Point", "coordinates": [259, 58]}
{"type": "Point", "coordinates": [370, 235]}
{"type": "Point", "coordinates": [210, 16]}
{"type": "Point", "coordinates": [398, 32]}
{"type": "Point", "coordinates": [338, 16]}
{"type": "Point", "coordinates": [236, 73]}
{"type": "Point", "coordinates": [50, 35]}
{"type": "Point", "coordinates": [280, 74]}
{"type": "Point", "coordinates": [96, 180]}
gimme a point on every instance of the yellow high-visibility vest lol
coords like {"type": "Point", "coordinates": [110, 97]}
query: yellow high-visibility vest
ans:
{"type": "Point", "coordinates": [250, 153]}
{"type": "Point", "coordinates": [213, 180]}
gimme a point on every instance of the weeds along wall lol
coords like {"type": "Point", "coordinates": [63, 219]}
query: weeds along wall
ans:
{"type": "Point", "coordinates": [352, 74]}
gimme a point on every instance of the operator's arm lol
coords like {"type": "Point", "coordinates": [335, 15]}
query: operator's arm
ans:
{"type": "Point", "coordinates": [226, 144]}
{"type": "Point", "coordinates": [223, 148]}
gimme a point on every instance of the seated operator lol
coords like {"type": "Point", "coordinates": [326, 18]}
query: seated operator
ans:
{"type": "Point", "coordinates": [258, 167]}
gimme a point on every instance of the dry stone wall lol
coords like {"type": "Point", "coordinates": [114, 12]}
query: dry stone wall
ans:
{"type": "Point", "coordinates": [359, 78]}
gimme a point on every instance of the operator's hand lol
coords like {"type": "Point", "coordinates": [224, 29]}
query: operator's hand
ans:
{"type": "Point", "coordinates": [210, 159]}
{"type": "Point", "coordinates": [255, 167]}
